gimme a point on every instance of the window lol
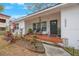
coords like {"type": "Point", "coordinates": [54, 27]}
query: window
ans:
{"type": "Point", "coordinates": [17, 26]}
{"type": "Point", "coordinates": [44, 26]}
{"type": "Point", "coordinates": [2, 20]}
{"type": "Point", "coordinates": [34, 26]}
{"type": "Point", "coordinates": [38, 27]}
{"type": "Point", "coordinates": [2, 28]}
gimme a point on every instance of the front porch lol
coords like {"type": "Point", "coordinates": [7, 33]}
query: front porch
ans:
{"type": "Point", "coordinates": [48, 24]}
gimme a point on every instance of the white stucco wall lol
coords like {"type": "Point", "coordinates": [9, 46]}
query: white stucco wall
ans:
{"type": "Point", "coordinates": [21, 26]}
{"type": "Point", "coordinates": [71, 30]}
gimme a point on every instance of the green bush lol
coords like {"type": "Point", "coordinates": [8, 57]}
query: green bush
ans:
{"type": "Point", "coordinates": [72, 51]}
{"type": "Point", "coordinates": [30, 30]}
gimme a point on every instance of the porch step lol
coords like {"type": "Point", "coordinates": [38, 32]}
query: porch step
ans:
{"type": "Point", "coordinates": [52, 44]}
{"type": "Point", "coordinates": [55, 51]}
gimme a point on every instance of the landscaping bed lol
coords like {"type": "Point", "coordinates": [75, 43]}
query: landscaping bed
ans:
{"type": "Point", "coordinates": [37, 47]}
{"type": "Point", "coordinates": [17, 50]}
{"type": "Point", "coordinates": [33, 44]}
{"type": "Point", "coordinates": [20, 47]}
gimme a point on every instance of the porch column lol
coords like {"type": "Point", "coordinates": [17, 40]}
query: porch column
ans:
{"type": "Point", "coordinates": [40, 25]}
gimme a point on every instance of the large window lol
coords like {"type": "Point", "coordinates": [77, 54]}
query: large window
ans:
{"type": "Point", "coordinates": [39, 26]}
{"type": "Point", "coordinates": [44, 25]}
{"type": "Point", "coordinates": [36, 27]}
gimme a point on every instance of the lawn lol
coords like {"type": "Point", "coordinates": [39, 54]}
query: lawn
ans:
{"type": "Point", "coordinates": [2, 32]}
{"type": "Point", "coordinates": [72, 51]}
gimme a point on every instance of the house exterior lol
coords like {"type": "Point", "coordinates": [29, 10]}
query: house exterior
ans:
{"type": "Point", "coordinates": [18, 28]}
{"type": "Point", "coordinates": [4, 22]}
{"type": "Point", "coordinates": [62, 20]}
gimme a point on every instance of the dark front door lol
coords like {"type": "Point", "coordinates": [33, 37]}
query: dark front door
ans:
{"type": "Point", "coordinates": [53, 27]}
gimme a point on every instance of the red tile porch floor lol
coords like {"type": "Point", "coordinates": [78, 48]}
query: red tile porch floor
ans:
{"type": "Point", "coordinates": [50, 39]}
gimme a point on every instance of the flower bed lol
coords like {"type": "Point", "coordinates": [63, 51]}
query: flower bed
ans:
{"type": "Point", "coordinates": [33, 44]}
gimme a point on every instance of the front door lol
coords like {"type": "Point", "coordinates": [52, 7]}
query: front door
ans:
{"type": "Point", "coordinates": [53, 27]}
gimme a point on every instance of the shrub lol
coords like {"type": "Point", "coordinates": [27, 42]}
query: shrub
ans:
{"type": "Point", "coordinates": [30, 30]}
{"type": "Point", "coordinates": [2, 32]}
{"type": "Point", "coordinates": [8, 36]}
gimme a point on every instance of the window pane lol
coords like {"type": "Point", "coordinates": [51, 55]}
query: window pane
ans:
{"type": "Point", "coordinates": [2, 28]}
{"type": "Point", "coordinates": [38, 27]}
{"type": "Point", "coordinates": [34, 27]}
{"type": "Point", "coordinates": [17, 26]}
{"type": "Point", "coordinates": [44, 26]}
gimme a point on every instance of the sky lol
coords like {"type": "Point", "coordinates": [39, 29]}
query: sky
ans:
{"type": "Point", "coordinates": [16, 10]}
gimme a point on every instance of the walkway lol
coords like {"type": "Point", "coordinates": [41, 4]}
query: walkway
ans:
{"type": "Point", "coordinates": [55, 51]}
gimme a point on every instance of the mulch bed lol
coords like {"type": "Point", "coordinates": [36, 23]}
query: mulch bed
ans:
{"type": "Point", "coordinates": [37, 46]}
{"type": "Point", "coordinates": [30, 46]}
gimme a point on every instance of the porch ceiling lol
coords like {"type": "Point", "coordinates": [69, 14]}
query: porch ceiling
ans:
{"type": "Point", "coordinates": [56, 10]}
{"type": "Point", "coordinates": [51, 10]}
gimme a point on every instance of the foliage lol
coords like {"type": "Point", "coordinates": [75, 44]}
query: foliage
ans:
{"type": "Point", "coordinates": [1, 8]}
{"type": "Point", "coordinates": [30, 30]}
{"type": "Point", "coordinates": [8, 36]}
{"type": "Point", "coordinates": [8, 33]}
{"type": "Point", "coordinates": [72, 51]}
{"type": "Point", "coordinates": [2, 32]}
{"type": "Point", "coordinates": [33, 38]}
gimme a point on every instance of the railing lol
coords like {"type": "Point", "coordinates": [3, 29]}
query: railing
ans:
{"type": "Point", "coordinates": [2, 24]}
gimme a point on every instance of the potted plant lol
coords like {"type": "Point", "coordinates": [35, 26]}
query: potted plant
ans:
{"type": "Point", "coordinates": [30, 31]}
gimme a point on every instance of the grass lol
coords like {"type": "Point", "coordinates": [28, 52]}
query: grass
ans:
{"type": "Point", "coordinates": [72, 51]}
{"type": "Point", "coordinates": [2, 32]}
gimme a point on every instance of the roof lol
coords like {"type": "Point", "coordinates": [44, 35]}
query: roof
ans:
{"type": "Point", "coordinates": [39, 12]}
{"type": "Point", "coordinates": [4, 15]}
